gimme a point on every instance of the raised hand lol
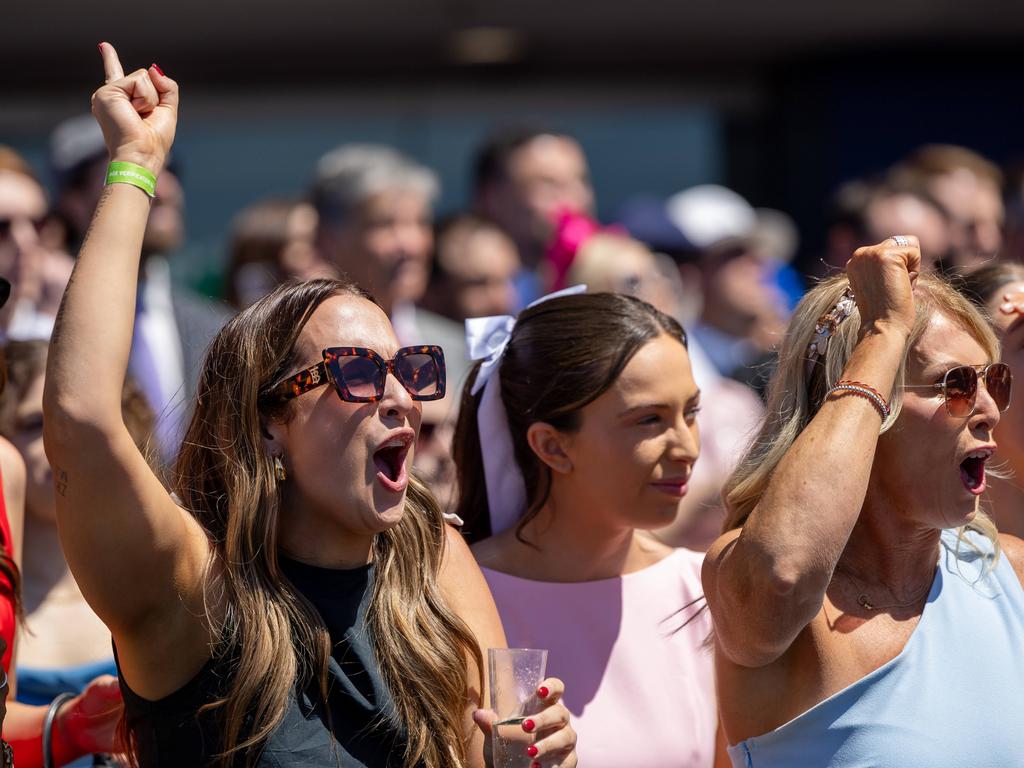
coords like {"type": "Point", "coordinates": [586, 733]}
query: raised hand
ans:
{"type": "Point", "coordinates": [882, 278]}
{"type": "Point", "coordinates": [137, 112]}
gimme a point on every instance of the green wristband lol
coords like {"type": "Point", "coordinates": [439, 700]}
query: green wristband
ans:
{"type": "Point", "coordinates": [130, 173]}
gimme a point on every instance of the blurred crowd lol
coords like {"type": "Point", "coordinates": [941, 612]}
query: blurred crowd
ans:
{"type": "Point", "coordinates": [705, 256]}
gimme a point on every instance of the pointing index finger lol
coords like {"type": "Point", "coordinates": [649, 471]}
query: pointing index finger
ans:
{"type": "Point", "coordinates": [111, 63]}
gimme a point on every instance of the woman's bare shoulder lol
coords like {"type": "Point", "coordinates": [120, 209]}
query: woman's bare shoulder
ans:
{"type": "Point", "coordinates": [1013, 551]}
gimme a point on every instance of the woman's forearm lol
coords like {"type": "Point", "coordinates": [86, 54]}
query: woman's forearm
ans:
{"type": "Point", "coordinates": [92, 335]}
{"type": "Point", "coordinates": [775, 572]}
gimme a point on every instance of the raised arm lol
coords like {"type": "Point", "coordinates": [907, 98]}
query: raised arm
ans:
{"type": "Point", "coordinates": [765, 582]}
{"type": "Point", "coordinates": [136, 555]}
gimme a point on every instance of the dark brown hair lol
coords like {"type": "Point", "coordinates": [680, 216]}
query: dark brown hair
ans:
{"type": "Point", "coordinates": [563, 354]}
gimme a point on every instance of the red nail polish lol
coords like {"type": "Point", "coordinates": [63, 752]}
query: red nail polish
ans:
{"type": "Point", "coordinates": [529, 725]}
{"type": "Point", "coordinates": [535, 764]}
{"type": "Point", "coordinates": [157, 68]}
{"type": "Point", "coordinates": [543, 692]}
{"type": "Point", "coordinates": [532, 751]}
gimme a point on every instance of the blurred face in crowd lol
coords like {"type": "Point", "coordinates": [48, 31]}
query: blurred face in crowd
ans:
{"type": "Point", "coordinates": [479, 265]}
{"type": "Point", "coordinates": [268, 250]}
{"type": "Point", "coordinates": [739, 298]}
{"type": "Point", "coordinates": [543, 177]}
{"type": "Point", "coordinates": [908, 213]}
{"type": "Point", "coordinates": [617, 264]}
{"type": "Point", "coordinates": [385, 245]}
{"type": "Point", "coordinates": [22, 211]}
{"type": "Point", "coordinates": [976, 212]}
{"type": "Point", "coordinates": [636, 445]}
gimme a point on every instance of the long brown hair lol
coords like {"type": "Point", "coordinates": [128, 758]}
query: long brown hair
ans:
{"type": "Point", "coordinates": [269, 631]}
{"type": "Point", "coordinates": [563, 354]}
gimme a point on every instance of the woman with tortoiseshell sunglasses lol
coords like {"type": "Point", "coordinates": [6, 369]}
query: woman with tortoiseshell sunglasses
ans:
{"type": "Point", "coordinates": [298, 599]}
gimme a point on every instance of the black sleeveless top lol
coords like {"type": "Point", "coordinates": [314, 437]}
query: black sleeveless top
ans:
{"type": "Point", "coordinates": [170, 732]}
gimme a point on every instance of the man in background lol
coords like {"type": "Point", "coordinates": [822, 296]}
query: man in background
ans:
{"type": "Point", "coordinates": [970, 189]}
{"type": "Point", "coordinates": [375, 226]}
{"type": "Point", "coordinates": [523, 178]}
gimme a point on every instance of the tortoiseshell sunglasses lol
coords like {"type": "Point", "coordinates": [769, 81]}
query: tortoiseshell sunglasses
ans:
{"type": "Point", "coordinates": [359, 374]}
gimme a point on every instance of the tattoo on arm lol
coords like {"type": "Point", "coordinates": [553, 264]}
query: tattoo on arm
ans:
{"type": "Point", "coordinates": [60, 480]}
{"type": "Point", "coordinates": [95, 214]}
{"type": "Point", "coordinates": [58, 323]}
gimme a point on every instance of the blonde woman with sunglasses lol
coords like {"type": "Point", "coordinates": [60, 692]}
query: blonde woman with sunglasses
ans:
{"type": "Point", "coordinates": [866, 613]}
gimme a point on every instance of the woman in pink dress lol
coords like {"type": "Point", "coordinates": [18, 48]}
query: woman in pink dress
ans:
{"type": "Point", "coordinates": [577, 435]}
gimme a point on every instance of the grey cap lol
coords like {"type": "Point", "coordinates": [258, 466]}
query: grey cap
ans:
{"type": "Point", "coordinates": [75, 141]}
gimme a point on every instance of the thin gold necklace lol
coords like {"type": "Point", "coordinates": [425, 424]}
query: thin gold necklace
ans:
{"type": "Point", "coordinates": [864, 601]}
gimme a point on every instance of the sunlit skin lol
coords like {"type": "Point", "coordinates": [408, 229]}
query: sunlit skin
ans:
{"type": "Point", "coordinates": [915, 491]}
{"type": "Point", "coordinates": [633, 454]}
{"type": "Point", "coordinates": [916, 469]}
{"type": "Point", "coordinates": [334, 502]}
{"type": "Point", "coordinates": [623, 471]}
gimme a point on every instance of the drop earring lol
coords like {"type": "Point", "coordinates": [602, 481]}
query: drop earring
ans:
{"type": "Point", "coordinates": [279, 470]}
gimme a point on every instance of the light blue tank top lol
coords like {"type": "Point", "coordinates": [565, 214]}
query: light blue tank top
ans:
{"type": "Point", "coordinates": [953, 697]}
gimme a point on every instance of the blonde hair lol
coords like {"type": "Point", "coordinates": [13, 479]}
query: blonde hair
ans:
{"type": "Point", "coordinates": [270, 634]}
{"type": "Point", "coordinates": [794, 397]}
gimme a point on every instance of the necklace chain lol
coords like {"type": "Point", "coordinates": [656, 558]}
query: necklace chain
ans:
{"type": "Point", "coordinates": [865, 601]}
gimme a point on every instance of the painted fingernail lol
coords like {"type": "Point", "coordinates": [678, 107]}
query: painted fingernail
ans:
{"type": "Point", "coordinates": [159, 71]}
{"type": "Point", "coordinates": [543, 692]}
{"type": "Point", "coordinates": [529, 725]}
{"type": "Point", "coordinates": [535, 764]}
{"type": "Point", "coordinates": [532, 751]}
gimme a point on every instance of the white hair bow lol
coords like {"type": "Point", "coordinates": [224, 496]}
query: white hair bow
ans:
{"type": "Point", "coordinates": [487, 338]}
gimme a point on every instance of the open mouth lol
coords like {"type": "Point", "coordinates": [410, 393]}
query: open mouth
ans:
{"type": "Point", "coordinates": [389, 460]}
{"type": "Point", "coordinates": [972, 471]}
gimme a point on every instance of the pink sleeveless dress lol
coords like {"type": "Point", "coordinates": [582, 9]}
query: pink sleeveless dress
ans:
{"type": "Point", "coordinates": [638, 682]}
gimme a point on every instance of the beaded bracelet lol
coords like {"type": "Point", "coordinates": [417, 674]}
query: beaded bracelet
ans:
{"type": "Point", "coordinates": [869, 393]}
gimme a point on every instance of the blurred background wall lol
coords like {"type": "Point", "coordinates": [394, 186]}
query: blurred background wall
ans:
{"type": "Point", "coordinates": [781, 101]}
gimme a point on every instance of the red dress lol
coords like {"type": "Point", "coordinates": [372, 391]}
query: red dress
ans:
{"type": "Point", "coordinates": [7, 619]}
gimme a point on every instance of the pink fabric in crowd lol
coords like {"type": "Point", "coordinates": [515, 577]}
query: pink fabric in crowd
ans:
{"type": "Point", "coordinates": [638, 683]}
